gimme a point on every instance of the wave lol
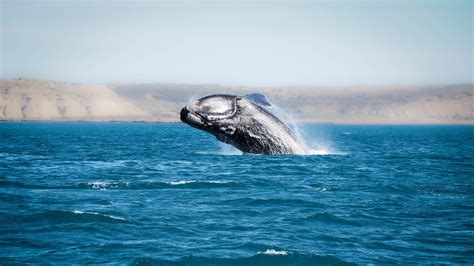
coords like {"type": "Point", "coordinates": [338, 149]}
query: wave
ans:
{"type": "Point", "coordinates": [273, 252]}
{"type": "Point", "coordinates": [105, 185]}
{"type": "Point", "coordinates": [268, 257]}
{"type": "Point", "coordinates": [62, 216]}
{"type": "Point", "coordinates": [330, 219]}
{"type": "Point", "coordinates": [273, 202]}
{"type": "Point", "coordinates": [185, 182]}
{"type": "Point", "coordinates": [96, 213]}
{"type": "Point", "coordinates": [16, 184]}
{"type": "Point", "coordinates": [321, 189]}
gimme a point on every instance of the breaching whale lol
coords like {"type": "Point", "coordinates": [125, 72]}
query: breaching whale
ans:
{"type": "Point", "coordinates": [243, 122]}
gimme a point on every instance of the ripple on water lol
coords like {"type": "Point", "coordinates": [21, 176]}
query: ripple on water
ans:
{"type": "Point", "coordinates": [61, 216]}
{"type": "Point", "coordinates": [268, 257]}
{"type": "Point", "coordinates": [97, 193]}
{"type": "Point", "coordinates": [330, 219]}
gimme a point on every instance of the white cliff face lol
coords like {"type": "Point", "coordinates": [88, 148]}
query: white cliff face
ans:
{"type": "Point", "coordinates": [41, 100]}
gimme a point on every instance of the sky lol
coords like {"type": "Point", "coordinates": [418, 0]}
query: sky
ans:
{"type": "Point", "coordinates": [252, 43]}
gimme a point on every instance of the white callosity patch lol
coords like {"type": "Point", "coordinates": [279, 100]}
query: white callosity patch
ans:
{"type": "Point", "coordinates": [216, 107]}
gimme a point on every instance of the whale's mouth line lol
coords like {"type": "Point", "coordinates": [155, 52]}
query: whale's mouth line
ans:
{"type": "Point", "coordinates": [194, 119]}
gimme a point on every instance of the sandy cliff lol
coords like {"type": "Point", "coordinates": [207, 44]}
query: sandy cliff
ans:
{"type": "Point", "coordinates": [397, 104]}
{"type": "Point", "coordinates": [45, 100]}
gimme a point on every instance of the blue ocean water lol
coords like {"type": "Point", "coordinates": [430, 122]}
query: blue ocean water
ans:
{"type": "Point", "coordinates": [144, 193]}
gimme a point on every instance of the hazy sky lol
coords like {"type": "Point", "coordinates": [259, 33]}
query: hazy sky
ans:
{"type": "Point", "coordinates": [239, 42]}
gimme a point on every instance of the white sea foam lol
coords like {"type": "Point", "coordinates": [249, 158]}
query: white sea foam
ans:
{"type": "Point", "coordinates": [274, 252]}
{"type": "Point", "coordinates": [321, 189]}
{"type": "Point", "coordinates": [184, 182]}
{"type": "Point", "coordinates": [99, 185]}
{"type": "Point", "coordinates": [218, 181]}
{"type": "Point", "coordinates": [318, 152]}
{"type": "Point", "coordinates": [103, 185]}
{"type": "Point", "coordinates": [115, 217]}
{"type": "Point", "coordinates": [96, 213]}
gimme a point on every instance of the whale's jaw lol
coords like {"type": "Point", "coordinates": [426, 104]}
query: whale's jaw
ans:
{"type": "Point", "coordinates": [191, 118]}
{"type": "Point", "coordinates": [195, 120]}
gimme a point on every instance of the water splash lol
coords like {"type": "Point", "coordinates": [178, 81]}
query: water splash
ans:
{"type": "Point", "coordinates": [226, 149]}
{"type": "Point", "coordinates": [273, 252]}
{"type": "Point", "coordinates": [319, 152]}
{"type": "Point", "coordinates": [309, 144]}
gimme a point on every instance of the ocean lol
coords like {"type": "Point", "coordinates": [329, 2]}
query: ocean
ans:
{"type": "Point", "coordinates": [168, 194]}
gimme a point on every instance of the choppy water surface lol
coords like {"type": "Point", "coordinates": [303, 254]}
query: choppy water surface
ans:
{"type": "Point", "coordinates": [167, 193]}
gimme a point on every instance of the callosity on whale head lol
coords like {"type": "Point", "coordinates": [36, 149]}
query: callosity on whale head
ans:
{"type": "Point", "coordinates": [244, 122]}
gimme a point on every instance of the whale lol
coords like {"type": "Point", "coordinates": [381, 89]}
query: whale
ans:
{"type": "Point", "coordinates": [243, 122]}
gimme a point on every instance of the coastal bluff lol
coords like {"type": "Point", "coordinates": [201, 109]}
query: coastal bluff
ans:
{"type": "Point", "coordinates": [29, 99]}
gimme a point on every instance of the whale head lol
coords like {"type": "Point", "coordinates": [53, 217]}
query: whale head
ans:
{"type": "Point", "coordinates": [242, 121]}
{"type": "Point", "coordinates": [213, 114]}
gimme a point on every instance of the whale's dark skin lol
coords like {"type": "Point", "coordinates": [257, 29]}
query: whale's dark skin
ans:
{"type": "Point", "coordinates": [243, 122]}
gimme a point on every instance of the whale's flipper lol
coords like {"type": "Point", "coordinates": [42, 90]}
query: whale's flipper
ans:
{"type": "Point", "coordinates": [258, 98]}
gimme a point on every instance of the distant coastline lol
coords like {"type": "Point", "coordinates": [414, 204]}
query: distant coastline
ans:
{"type": "Point", "coordinates": [38, 100]}
{"type": "Point", "coordinates": [179, 122]}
